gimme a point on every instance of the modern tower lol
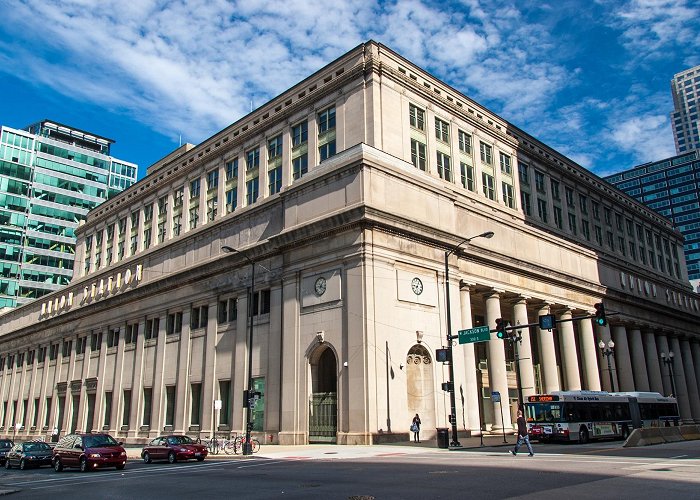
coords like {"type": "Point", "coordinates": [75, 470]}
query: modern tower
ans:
{"type": "Point", "coordinates": [51, 176]}
{"type": "Point", "coordinates": [685, 88]}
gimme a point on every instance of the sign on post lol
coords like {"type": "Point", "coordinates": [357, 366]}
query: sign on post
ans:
{"type": "Point", "coordinates": [217, 404]}
{"type": "Point", "coordinates": [478, 334]}
{"type": "Point", "coordinates": [496, 396]}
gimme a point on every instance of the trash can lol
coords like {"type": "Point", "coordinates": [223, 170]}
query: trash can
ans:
{"type": "Point", "coordinates": [443, 437]}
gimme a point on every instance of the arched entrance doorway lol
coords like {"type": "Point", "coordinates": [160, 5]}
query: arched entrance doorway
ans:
{"type": "Point", "coordinates": [323, 406]}
{"type": "Point", "coordinates": [420, 386]}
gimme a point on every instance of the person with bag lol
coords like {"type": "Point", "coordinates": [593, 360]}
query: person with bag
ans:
{"type": "Point", "coordinates": [415, 428]}
{"type": "Point", "coordinates": [522, 435]}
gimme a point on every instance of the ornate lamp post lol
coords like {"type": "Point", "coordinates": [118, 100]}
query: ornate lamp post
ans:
{"type": "Point", "coordinates": [608, 350]}
{"type": "Point", "coordinates": [668, 361]}
{"type": "Point", "coordinates": [247, 448]}
{"type": "Point", "coordinates": [451, 371]}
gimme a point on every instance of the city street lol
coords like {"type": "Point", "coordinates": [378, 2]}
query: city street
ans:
{"type": "Point", "coordinates": [597, 470]}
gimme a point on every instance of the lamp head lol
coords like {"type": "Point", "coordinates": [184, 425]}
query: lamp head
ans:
{"type": "Point", "coordinates": [601, 344]}
{"type": "Point", "coordinates": [611, 344]}
{"type": "Point", "coordinates": [670, 354]}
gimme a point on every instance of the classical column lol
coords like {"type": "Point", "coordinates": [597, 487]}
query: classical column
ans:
{"type": "Point", "coordinates": [498, 380]}
{"type": "Point", "coordinates": [653, 362]}
{"type": "Point", "coordinates": [183, 379]}
{"type": "Point", "coordinates": [11, 395]}
{"type": "Point", "coordinates": [695, 348]}
{"type": "Point", "coordinates": [548, 356]}
{"type": "Point", "coordinates": [622, 358]}
{"type": "Point", "coordinates": [117, 420]}
{"type": "Point", "coordinates": [639, 364]}
{"type": "Point", "coordinates": [45, 410]}
{"type": "Point", "coordinates": [679, 379]}
{"type": "Point", "coordinates": [471, 391]}
{"type": "Point", "coordinates": [69, 407]}
{"type": "Point", "coordinates": [157, 415]}
{"type": "Point", "coordinates": [589, 355]}
{"type": "Point", "coordinates": [568, 352]}
{"type": "Point", "coordinates": [98, 415]}
{"type": "Point", "coordinates": [524, 349]}
{"type": "Point", "coordinates": [691, 382]}
{"type": "Point", "coordinates": [29, 422]}
{"type": "Point", "coordinates": [136, 415]}
{"type": "Point", "coordinates": [209, 382]}
{"type": "Point", "coordinates": [19, 416]}
{"type": "Point", "coordinates": [85, 366]}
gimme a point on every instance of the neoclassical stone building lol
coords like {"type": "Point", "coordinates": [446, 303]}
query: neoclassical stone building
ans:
{"type": "Point", "coordinates": [346, 192]}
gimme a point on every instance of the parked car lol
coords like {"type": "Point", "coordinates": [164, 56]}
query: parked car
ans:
{"type": "Point", "coordinates": [29, 454]}
{"type": "Point", "coordinates": [88, 451]}
{"type": "Point", "coordinates": [5, 446]}
{"type": "Point", "coordinates": [173, 448]}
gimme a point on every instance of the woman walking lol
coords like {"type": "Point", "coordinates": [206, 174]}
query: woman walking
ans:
{"type": "Point", "coordinates": [415, 427]}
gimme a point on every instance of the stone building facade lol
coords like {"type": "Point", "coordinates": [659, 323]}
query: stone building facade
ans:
{"type": "Point", "coordinates": [346, 192]}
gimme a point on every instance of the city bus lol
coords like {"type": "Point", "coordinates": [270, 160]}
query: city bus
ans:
{"type": "Point", "coordinates": [585, 415]}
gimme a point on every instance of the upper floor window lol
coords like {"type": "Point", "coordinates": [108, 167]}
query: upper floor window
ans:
{"type": "Point", "coordinates": [178, 197]}
{"type": "Point", "coordinates": [595, 207]}
{"type": "Point", "coordinates": [569, 193]}
{"type": "Point", "coordinates": [583, 204]}
{"type": "Point", "coordinates": [252, 159]}
{"type": "Point", "coordinates": [326, 120]}
{"type": "Point", "coordinates": [444, 167]}
{"type": "Point", "coordinates": [442, 130]}
{"type": "Point", "coordinates": [212, 179]}
{"type": "Point", "coordinates": [300, 134]}
{"type": "Point", "coordinates": [505, 164]}
{"type": "Point", "coordinates": [465, 142]}
{"type": "Point", "coordinates": [418, 154]}
{"type": "Point", "coordinates": [607, 213]}
{"type": "Point", "coordinates": [162, 205]}
{"type": "Point", "coordinates": [194, 188]}
{"type": "Point", "coordinates": [508, 195]}
{"type": "Point", "coordinates": [199, 317]}
{"type": "Point", "coordinates": [232, 170]}
{"type": "Point", "coordinates": [487, 186]}
{"type": "Point", "coordinates": [416, 117]}
{"type": "Point", "coordinates": [524, 173]}
{"type": "Point", "coordinates": [539, 181]}
{"type": "Point", "coordinates": [274, 147]}
{"type": "Point", "coordinates": [486, 153]}
{"type": "Point", "coordinates": [554, 184]}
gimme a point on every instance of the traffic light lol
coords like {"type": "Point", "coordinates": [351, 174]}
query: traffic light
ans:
{"type": "Point", "coordinates": [447, 386]}
{"type": "Point", "coordinates": [600, 314]}
{"type": "Point", "coordinates": [501, 328]}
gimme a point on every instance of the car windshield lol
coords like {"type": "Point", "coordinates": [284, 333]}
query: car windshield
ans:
{"type": "Point", "coordinates": [5, 444]}
{"type": "Point", "coordinates": [98, 441]}
{"type": "Point", "coordinates": [36, 447]}
{"type": "Point", "coordinates": [180, 440]}
{"type": "Point", "coordinates": [543, 412]}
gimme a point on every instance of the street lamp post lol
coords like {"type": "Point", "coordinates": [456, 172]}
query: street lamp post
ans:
{"type": "Point", "coordinates": [608, 350]}
{"type": "Point", "coordinates": [247, 448]}
{"type": "Point", "coordinates": [668, 360]}
{"type": "Point", "coordinates": [451, 371]}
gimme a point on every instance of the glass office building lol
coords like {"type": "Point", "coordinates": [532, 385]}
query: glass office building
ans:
{"type": "Point", "coordinates": [685, 88]}
{"type": "Point", "coordinates": [51, 176]}
{"type": "Point", "coordinates": [671, 187]}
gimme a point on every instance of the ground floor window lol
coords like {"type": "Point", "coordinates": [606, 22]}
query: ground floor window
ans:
{"type": "Point", "coordinates": [259, 408]}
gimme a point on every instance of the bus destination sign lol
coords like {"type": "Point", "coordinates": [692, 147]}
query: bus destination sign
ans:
{"type": "Point", "coordinates": [542, 398]}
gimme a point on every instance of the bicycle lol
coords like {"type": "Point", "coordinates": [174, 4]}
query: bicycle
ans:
{"type": "Point", "coordinates": [240, 441]}
{"type": "Point", "coordinates": [212, 445]}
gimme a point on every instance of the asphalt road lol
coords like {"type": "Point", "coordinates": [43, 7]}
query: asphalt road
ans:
{"type": "Point", "coordinates": [597, 470]}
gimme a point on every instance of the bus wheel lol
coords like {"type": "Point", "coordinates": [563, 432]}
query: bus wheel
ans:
{"type": "Point", "coordinates": [625, 432]}
{"type": "Point", "coordinates": [583, 435]}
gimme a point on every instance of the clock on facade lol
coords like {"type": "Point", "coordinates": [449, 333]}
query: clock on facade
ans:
{"type": "Point", "coordinates": [320, 286]}
{"type": "Point", "coordinates": [417, 286]}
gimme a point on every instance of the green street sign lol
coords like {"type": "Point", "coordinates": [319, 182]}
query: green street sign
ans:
{"type": "Point", "coordinates": [478, 334]}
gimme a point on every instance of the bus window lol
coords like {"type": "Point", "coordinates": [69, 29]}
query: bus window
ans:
{"type": "Point", "coordinates": [543, 412]}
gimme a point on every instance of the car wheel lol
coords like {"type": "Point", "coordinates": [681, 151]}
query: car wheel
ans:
{"type": "Point", "coordinates": [583, 435]}
{"type": "Point", "coordinates": [120, 466]}
{"type": "Point", "coordinates": [147, 458]}
{"type": "Point", "coordinates": [7, 464]}
{"type": "Point", "coordinates": [83, 465]}
{"type": "Point", "coordinates": [57, 465]}
{"type": "Point", "coordinates": [200, 459]}
{"type": "Point", "coordinates": [172, 458]}
{"type": "Point", "coordinates": [22, 464]}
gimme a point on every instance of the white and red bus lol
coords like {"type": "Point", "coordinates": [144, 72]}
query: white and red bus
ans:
{"type": "Point", "coordinates": [585, 415]}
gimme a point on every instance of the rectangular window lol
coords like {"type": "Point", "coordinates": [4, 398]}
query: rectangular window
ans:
{"type": "Point", "coordinates": [486, 153]}
{"type": "Point", "coordinates": [555, 189]}
{"type": "Point", "coordinates": [505, 164]}
{"type": "Point", "coordinates": [444, 167]}
{"type": "Point", "coordinates": [525, 202]}
{"type": "Point", "coordinates": [274, 147]}
{"type": "Point", "coordinates": [152, 327]}
{"type": "Point", "coordinates": [586, 230]}
{"type": "Point", "coordinates": [539, 181]}
{"type": "Point", "coordinates": [212, 208]}
{"type": "Point", "coordinates": [326, 120]}
{"type": "Point", "coordinates": [228, 310]}
{"type": "Point", "coordinates": [507, 195]}
{"type": "Point", "coordinates": [618, 222]}
{"type": "Point", "coordinates": [595, 207]}
{"type": "Point", "coordinates": [35, 417]}
{"type": "Point", "coordinates": [259, 408]}
{"type": "Point", "coordinates": [488, 187]}
{"type": "Point", "coordinates": [300, 166]}
{"type": "Point", "coordinates": [147, 401]}
{"type": "Point", "coordinates": [113, 337]}
{"type": "Point", "coordinates": [630, 228]}
{"type": "Point", "coordinates": [572, 223]}
{"type": "Point", "coordinates": [633, 250]}
{"type": "Point", "coordinates": [524, 173]}
{"type": "Point", "coordinates": [173, 323]}
{"type": "Point", "coordinates": [212, 179]}
{"type": "Point", "coordinates": [80, 345]}
{"type": "Point", "coordinates": [418, 154]}
{"type": "Point", "coordinates": [261, 302]}
{"type": "Point", "coordinates": [583, 204]}
{"type": "Point", "coordinates": [53, 352]}
{"type": "Point", "coordinates": [252, 159]}
{"type": "Point", "coordinates": [542, 209]}
{"type": "Point", "coordinates": [599, 235]}
{"type": "Point", "coordinates": [558, 220]}
{"type": "Point", "coordinates": [225, 397]}
{"type": "Point", "coordinates": [252, 190]}
{"type": "Point", "coordinates": [194, 189]}
{"type": "Point", "coordinates": [300, 134]}
{"type": "Point", "coordinates": [326, 150]}
{"type": "Point", "coordinates": [231, 200]}
{"type": "Point", "coordinates": [47, 414]}
{"type": "Point", "coordinates": [232, 170]}
{"type": "Point", "coordinates": [467, 174]}
{"type": "Point", "coordinates": [569, 192]}
{"type": "Point", "coordinates": [107, 421]}
{"type": "Point", "coordinates": [416, 117]}
{"type": "Point", "coordinates": [442, 130]}
{"type": "Point", "coordinates": [67, 346]}
{"type": "Point", "coordinates": [465, 142]}
{"type": "Point", "coordinates": [199, 317]}
{"type": "Point", "coordinates": [130, 334]}
{"type": "Point", "coordinates": [196, 400]}
{"type": "Point", "coordinates": [126, 414]}
{"type": "Point", "coordinates": [169, 404]}
{"type": "Point", "coordinates": [275, 180]}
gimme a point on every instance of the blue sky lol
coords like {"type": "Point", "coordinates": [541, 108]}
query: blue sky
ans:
{"type": "Point", "coordinates": [587, 77]}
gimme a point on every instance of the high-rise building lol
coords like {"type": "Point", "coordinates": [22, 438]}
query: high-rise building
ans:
{"type": "Point", "coordinates": [670, 187]}
{"type": "Point", "coordinates": [685, 88]}
{"type": "Point", "coordinates": [51, 176]}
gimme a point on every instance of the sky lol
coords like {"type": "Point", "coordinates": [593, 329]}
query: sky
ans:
{"type": "Point", "coordinates": [590, 78]}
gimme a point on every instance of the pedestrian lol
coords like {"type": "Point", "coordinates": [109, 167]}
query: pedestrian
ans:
{"type": "Point", "coordinates": [415, 427]}
{"type": "Point", "coordinates": [522, 435]}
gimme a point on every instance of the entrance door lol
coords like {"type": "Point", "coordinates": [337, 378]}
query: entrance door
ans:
{"type": "Point", "coordinates": [323, 406]}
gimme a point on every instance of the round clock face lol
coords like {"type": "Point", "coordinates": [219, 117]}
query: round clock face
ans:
{"type": "Point", "coordinates": [320, 286]}
{"type": "Point", "coordinates": [417, 286]}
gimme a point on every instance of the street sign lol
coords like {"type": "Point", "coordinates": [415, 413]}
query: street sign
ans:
{"type": "Point", "coordinates": [496, 396]}
{"type": "Point", "coordinates": [478, 334]}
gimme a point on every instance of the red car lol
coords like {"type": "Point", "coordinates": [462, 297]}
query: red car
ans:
{"type": "Point", "coordinates": [172, 449]}
{"type": "Point", "coordinates": [88, 452]}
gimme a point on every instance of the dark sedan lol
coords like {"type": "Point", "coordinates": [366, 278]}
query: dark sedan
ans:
{"type": "Point", "coordinates": [31, 454]}
{"type": "Point", "coordinates": [5, 446]}
{"type": "Point", "coordinates": [172, 449]}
